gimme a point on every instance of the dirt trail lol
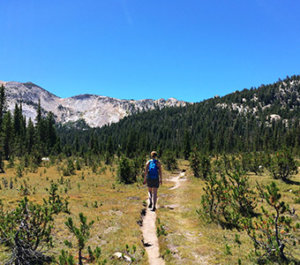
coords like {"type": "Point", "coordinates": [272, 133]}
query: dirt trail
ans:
{"type": "Point", "coordinates": [149, 228]}
{"type": "Point", "coordinates": [150, 238]}
{"type": "Point", "coordinates": [178, 180]}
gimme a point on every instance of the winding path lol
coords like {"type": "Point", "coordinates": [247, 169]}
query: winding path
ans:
{"type": "Point", "coordinates": [149, 228]}
{"type": "Point", "coordinates": [178, 180]}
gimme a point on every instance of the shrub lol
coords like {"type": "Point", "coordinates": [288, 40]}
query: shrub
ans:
{"type": "Point", "coordinates": [78, 165]}
{"type": "Point", "coordinates": [273, 231]}
{"type": "Point", "coordinates": [227, 198]}
{"type": "Point", "coordinates": [205, 167]}
{"type": "Point", "coordinates": [200, 164]}
{"type": "Point", "coordinates": [82, 234]}
{"type": "Point", "coordinates": [1, 164]}
{"type": "Point", "coordinates": [139, 165]}
{"type": "Point", "coordinates": [66, 258]}
{"type": "Point", "coordinates": [19, 171]}
{"type": "Point", "coordinates": [70, 169]}
{"type": "Point", "coordinates": [217, 204]}
{"type": "Point", "coordinates": [283, 165]}
{"type": "Point", "coordinates": [252, 162]}
{"type": "Point", "coordinates": [169, 160]}
{"type": "Point", "coordinates": [126, 171]}
{"type": "Point", "coordinates": [160, 229]}
{"type": "Point", "coordinates": [11, 162]}
{"type": "Point", "coordinates": [26, 230]}
{"type": "Point", "coordinates": [195, 163]}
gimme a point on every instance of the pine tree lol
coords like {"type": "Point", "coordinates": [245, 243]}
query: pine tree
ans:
{"type": "Point", "coordinates": [7, 134]}
{"type": "Point", "coordinates": [82, 233]}
{"type": "Point", "coordinates": [2, 104]}
{"type": "Point", "coordinates": [38, 113]}
{"type": "Point", "coordinates": [50, 133]}
{"type": "Point", "coordinates": [30, 133]}
{"type": "Point", "coordinates": [2, 136]}
{"type": "Point", "coordinates": [187, 145]}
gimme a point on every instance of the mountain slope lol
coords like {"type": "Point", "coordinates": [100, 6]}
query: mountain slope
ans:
{"type": "Point", "coordinates": [266, 118]}
{"type": "Point", "coordinates": [95, 110]}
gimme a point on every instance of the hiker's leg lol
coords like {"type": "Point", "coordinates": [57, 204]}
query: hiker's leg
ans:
{"type": "Point", "coordinates": [150, 196]}
{"type": "Point", "coordinates": [154, 197]}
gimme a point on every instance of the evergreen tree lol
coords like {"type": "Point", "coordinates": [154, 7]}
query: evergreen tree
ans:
{"type": "Point", "coordinates": [38, 113]}
{"type": "Point", "coordinates": [187, 145]}
{"type": "Point", "coordinates": [2, 103]}
{"type": "Point", "coordinates": [7, 134]}
{"type": "Point", "coordinates": [30, 137]}
{"type": "Point", "coordinates": [50, 133]}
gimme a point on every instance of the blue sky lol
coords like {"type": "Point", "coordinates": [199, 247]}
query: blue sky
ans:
{"type": "Point", "coordinates": [135, 49]}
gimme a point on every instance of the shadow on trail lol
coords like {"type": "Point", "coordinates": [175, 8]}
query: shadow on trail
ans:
{"type": "Point", "coordinates": [292, 182]}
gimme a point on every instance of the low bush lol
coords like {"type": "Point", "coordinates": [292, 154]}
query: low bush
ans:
{"type": "Point", "coordinates": [126, 171]}
{"type": "Point", "coordinates": [227, 199]}
{"type": "Point", "coordinates": [272, 232]}
{"type": "Point", "coordinates": [283, 165]}
{"type": "Point", "coordinates": [169, 160]}
{"type": "Point", "coordinates": [26, 230]}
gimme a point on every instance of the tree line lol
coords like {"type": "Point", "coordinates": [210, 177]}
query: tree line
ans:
{"type": "Point", "coordinates": [217, 125]}
{"type": "Point", "coordinates": [19, 137]}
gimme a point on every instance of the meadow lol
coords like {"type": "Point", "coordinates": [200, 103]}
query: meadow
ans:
{"type": "Point", "coordinates": [115, 208]}
{"type": "Point", "coordinates": [191, 239]}
{"type": "Point", "coordinates": [185, 237]}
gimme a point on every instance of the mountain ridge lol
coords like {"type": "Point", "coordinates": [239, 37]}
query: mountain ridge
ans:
{"type": "Point", "coordinates": [96, 110]}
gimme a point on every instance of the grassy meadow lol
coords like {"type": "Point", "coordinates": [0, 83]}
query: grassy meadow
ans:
{"type": "Point", "coordinates": [184, 236]}
{"type": "Point", "coordinates": [114, 207]}
{"type": "Point", "coordinates": [191, 239]}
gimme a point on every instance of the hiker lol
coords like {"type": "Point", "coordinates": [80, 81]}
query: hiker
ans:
{"type": "Point", "coordinates": [153, 177]}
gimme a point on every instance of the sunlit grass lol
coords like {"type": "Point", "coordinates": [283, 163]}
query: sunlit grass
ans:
{"type": "Point", "coordinates": [114, 207]}
{"type": "Point", "coordinates": [192, 240]}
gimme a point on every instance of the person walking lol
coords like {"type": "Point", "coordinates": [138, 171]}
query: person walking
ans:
{"type": "Point", "coordinates": [153, 178]}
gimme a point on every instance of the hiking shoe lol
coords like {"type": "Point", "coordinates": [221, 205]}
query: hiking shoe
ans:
{"type": "Point", "coordinates": [150, 205]}
{"type": "Point", "coordinates": [154, 209]}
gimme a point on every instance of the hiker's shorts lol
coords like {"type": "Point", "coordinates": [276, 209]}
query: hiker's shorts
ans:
{"type": "Point", "coordinates": [152, 182]}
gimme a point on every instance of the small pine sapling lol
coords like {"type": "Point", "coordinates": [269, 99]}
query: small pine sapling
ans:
{"type": "Point", "coordinates": [283, 165]}
{"type": "Point", "coordinates": [272, 232]}
{"type": "Point", "coordinates": [194, 159]}
{"type": "Point", "coordinates": [27, 229]}
{"type": "Point", "coordinates": [82, 233]}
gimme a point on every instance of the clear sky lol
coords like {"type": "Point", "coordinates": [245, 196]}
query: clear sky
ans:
{"type": "Point", "coordinates": [134, 49]}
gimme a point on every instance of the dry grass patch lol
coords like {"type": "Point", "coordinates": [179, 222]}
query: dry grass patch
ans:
{"type": "Point", "coordinates": [191, 240]}
{"type": "Point", "coordinates": [115, 208]}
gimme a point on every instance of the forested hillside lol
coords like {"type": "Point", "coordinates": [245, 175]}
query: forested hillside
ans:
{"type": "Point", "coordinates": [265, 118]}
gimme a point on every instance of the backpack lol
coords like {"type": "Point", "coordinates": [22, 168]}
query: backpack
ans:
{"type": "Point", "coordinates": [153, 169]}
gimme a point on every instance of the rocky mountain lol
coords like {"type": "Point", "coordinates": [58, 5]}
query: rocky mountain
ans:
{"type": "Point", "coordinates": [95, 110]}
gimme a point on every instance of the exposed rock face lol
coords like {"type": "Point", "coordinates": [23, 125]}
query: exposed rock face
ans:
{"type": "Point", "coordinates": [95, 110]}
{"type": "Point", "coordinates": [288, 96]}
